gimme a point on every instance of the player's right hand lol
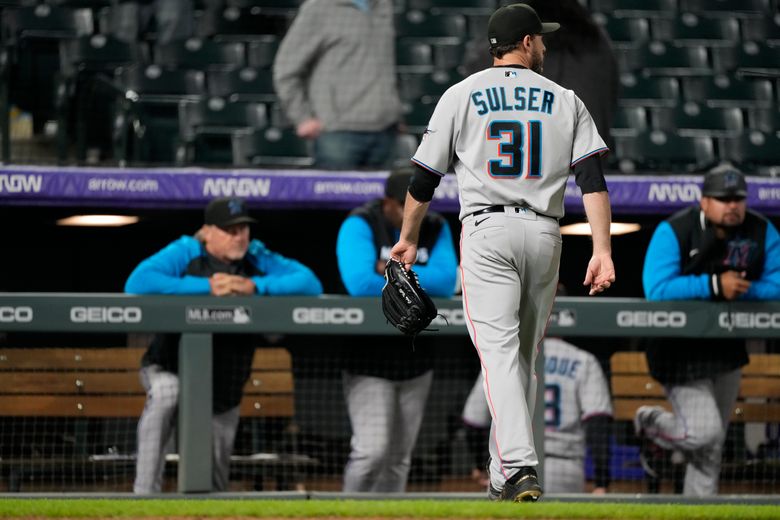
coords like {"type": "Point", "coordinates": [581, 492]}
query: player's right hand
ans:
{"type": "Point", "coordinates": [600, 274]}
{"type": "Point", "coordinates": [733, 284]}
{"type": "Point", "coordinates": [405, 252]}
{"type": "Point", "coordinates": [309, 128]}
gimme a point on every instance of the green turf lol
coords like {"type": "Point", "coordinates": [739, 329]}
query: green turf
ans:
{"type": "Point", "coordinates": [99, 508]}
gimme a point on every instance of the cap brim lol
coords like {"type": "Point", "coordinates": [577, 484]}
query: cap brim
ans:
{"type": "Point", "coordinates": [549, 27]}
{"type": "Point", "coordinates": [239, 220]}
{"type": "Point", "coordinates": [728, 193]}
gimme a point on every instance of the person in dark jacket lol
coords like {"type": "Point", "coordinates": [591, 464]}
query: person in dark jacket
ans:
{"type": "Point", "coordinates": [220, 260]}
{"type": "Point", "coordinates": [386, 382]}
{"type": "Point", "coordinates": [718, 250]}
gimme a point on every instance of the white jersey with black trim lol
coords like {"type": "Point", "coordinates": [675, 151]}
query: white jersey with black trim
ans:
{"type": "Point", "coordinates": [511, 136]}
{"type": "Point", "coordinates": [575, 389]}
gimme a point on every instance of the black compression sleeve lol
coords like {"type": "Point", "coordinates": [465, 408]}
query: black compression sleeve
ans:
{"type": "Point", "coordinates": [423, 184]}
{"type": "Point", "coordinates": [597, 430]}
{"type": "Point", "coordinates": [589, 175]}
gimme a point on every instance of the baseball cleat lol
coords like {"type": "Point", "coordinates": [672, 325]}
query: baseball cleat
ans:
{"type": "Point", "coordinates": [523, 486]}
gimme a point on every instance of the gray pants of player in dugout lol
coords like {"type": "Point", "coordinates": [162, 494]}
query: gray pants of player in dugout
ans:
{"type": "Point", "coordinates": [157, 425]}
{"type": "Point", "coordinates": [702, 410]}
{"type": "Point", "coordinates": [386, 416]}
{"type": "Point", "coordinates": [509, 264]}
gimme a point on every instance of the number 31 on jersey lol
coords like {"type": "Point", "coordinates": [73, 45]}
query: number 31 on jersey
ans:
{"type": "Point", "coordinates": [519, 149]}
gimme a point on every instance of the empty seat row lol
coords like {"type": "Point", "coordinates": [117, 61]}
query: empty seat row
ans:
{"type": "Point", "coordinates": [671, 8]}
{"type": "Point", "coordinates": [715, 91]}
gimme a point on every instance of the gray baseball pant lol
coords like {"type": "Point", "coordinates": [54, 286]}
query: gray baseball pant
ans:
{"type": "Point", "coordinates": [386, 416]}
{"type": "Point", "coordinates": [702, 410]}
{"type": "Point", "coordinates": [156, 427]}
{"type": "Point", "coordinates": [509, 267]}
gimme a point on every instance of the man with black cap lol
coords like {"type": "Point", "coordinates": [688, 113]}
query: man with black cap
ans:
{"type": "Point", "coordinates": [220, 260]}
{"type": "Point", "coordinates": [718, 250]}
{"type": "Point", "coordinates": [512, 137]}
{"type": "Point", "coordinates": [386, 382]}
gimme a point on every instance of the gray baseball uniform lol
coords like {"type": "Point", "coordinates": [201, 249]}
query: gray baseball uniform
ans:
{"type": "Point", "coordinates": [512, 137]}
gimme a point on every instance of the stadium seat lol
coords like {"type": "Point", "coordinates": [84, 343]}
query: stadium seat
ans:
{"type": "Point", "coordinates": [692, 119]}
{"type": "Point", "coordinates": [728, 8]}
{"type": "Point", "coordinates": [206, 128]}
{"type": "Point", "coordinates": [624, 32]}
{"type": "Point", "coordinates": [657, 58]}
{"type": "Point", "coordinates": [655, 150]}
{"type": "Point", "coordinates": [754, 151]}
{"type": "Point", "coordinates": [694, 29]}
{"type": "Point", "coordinates": [724, 91]}
{"type": "Point", "coordinates": [30, 37]}
{"type": "Point", "coordinates": [147, 112]}
{"type": "Point", "coordinates": [199, 54]}
{"type": "Point", "coordinates": [419, 25]}
{"type": "Point", "coordinates": [427, 87]}
{"type": "Point", "coordinates": [767, 121]}
{"type": "Point", "coordinates": [260, 52]}
{"type": "Point", "coordinates": [242, 24]}
{"type": "Point", "coordinates": [629, 121]}
{"type": "Point", "coordinates": [636, 8]}
{"type": "Point", "coordinates": [246, 84]}
{"type": "Point", "coordinates": [764, 29]}
{"type": "Point", "coordinates": [287, 8]}
{"type": "Point", "coordinates": [87, 65]}
{"type": "Point", "coordinates": [417, 115]}
{"type": "Point", "coordinates": [413, 56]}
{"type": "Point", "coordinates": [484, 7]}
{"type": "Point", "coordinates": [448, 56]}
{"type": "Point", "coordinates": [270, 147]}
{"type": "Point", "coordinates": [648, 92]}
{"type": "Point", "coordinates": [750, 58]}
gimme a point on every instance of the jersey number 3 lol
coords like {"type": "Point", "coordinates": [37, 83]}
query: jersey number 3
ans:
{"type": "Point", "coordinates": [513, 145]}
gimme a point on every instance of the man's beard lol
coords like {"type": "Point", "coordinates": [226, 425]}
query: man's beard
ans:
{"type": "Point", "coordinates": [537, 64]}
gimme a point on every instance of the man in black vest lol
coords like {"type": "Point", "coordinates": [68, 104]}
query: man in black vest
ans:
{"type": "Point", "coordinates": [717, 251]}
{"type": "Point", "coordinates": [386, 381]}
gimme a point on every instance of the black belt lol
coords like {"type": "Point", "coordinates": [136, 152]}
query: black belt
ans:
{"type": "Point", "coordinates": [500, 209]}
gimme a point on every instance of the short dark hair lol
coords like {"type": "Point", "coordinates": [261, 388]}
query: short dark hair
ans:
{"type": "Point", "coordinates": [499, 50]}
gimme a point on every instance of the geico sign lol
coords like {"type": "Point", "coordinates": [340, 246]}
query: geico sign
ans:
{"type": "Point", "coordinates": [327, 315]}
{"type": "Point", "coordinates": [749, 320]}
{"type": "Point", "coordinates": [105, 314]}
{"type": "Point", "coordinates": [656, 319]}
{"type": "Point", "coordinates": [450, 317]}
{"type": "Point", "coordinates": [16, 314]}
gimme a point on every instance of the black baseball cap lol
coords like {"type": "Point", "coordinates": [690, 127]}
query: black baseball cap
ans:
{"type": "Point", "coordinates": [510, 24]}
{"type": "Point", "coordinates": [227, 211]}
{"type": "Point", "coordinates": [397, 183]}
{"type": "Point", "coordinates": [724, 183]}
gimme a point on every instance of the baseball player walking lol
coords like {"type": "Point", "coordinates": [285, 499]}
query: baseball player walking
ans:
{"type": "Point", "coordinates": [512, 138]}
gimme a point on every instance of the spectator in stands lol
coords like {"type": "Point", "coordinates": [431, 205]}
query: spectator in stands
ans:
{"type": "Point", "coordinates": [387, 380]}
{"type": "Point", "coordinates": [581, 58]}
{"type": "Point", "coordinates": [719, 251]}
{"type": "Point", "coordinates": [578, 412]}
{"type": "Point", "coordinates": [220, 260]}
{"type": "Point", "coordinates": [173, 20]}
{"type": "Point", "coordinates": [334, 74]}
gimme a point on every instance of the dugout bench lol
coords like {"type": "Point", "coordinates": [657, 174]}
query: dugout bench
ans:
{"type": "Point", "coordinates": [632, 386]}
{"type": "Point", "coordinates": [86, 389]}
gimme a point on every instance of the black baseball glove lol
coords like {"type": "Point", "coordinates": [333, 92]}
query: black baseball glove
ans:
{"type": "Point", "coordinates": [405, 304]}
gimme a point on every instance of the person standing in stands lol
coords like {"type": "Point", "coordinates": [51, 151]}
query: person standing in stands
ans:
{"type": "Point", "coordinates": [387, 380]}
{"type": "Point", "coordinates": [334, 74]}
{"type": "Point", "coordinates": [223, 261]}
{"type": "Point", "coordinates": [718, 251]}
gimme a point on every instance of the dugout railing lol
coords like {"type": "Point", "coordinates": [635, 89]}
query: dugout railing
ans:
{"type": "Point", "coordinates": [198, 317]}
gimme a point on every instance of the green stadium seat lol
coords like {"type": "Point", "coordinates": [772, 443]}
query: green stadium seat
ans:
{"type": "Point", "coordinates": [413, 56]}
{"type": "Point", "coordinates": [417, 115]}
{"type": "Point", "coordinates": [692, 119]}
{"type": "Point", "coordinates": [754, 151]}
{"type": "Point", "coordinates": [728, 8]}
{"type": "Point", "coordinates": [442, 27]}
{"type": "Point", "coordinates": [636, 8]}
{"type": "Point", "coordinates": [694, 29]}
{"type": "Point", "coordinates": [242, 24]}
{"type": "Point", "coordinates": [624, 32]}
{"type": "Point", "coordinates": [260, 52]}
{"type": "Point", "coordinates": [285, 7]}
{"type": "Point", "coordinates": [485, 7]}
{"type": "Point", "coordinates": [426, 87]}
{"type": "Point", "coordinates": [247, 84]}
{"type": "Point", "coordinates": [270, 147]}
{"type": "Point", "coordinates": [200, 54]}
{"type": "Point", "coordinates": [767, 121]}
{"type": "Point", "coordinates": [724, 91]}
{"type": "Point", "coordinates": [657, 58]}
{"type": "Point", "coordinates": [655, 150]}
{"type": "Point", "coordinates": [448, 55]}
{"type": "Point", "coordinates": [750, 58]}
{"type": "Point", "coordinates": [764, 29]}
{"type": "Point", "coordinates": [206, 128]}
{"type": "Point", "coordinates": [648, 92]}
{"type": "Point", "coordinates": [629, 121]}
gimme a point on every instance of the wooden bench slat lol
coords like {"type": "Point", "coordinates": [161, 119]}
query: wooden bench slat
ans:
{"type": "Point", "coordinates": [269, 383]}
{"type": "Point", "coordinates": [74, 359]}
{"type": "Point", "coordinates": [762, 365]}
{"type": "Point", "coordinates": [628, 363]}
{"type": "Point", "coordinates": [743, 412]}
